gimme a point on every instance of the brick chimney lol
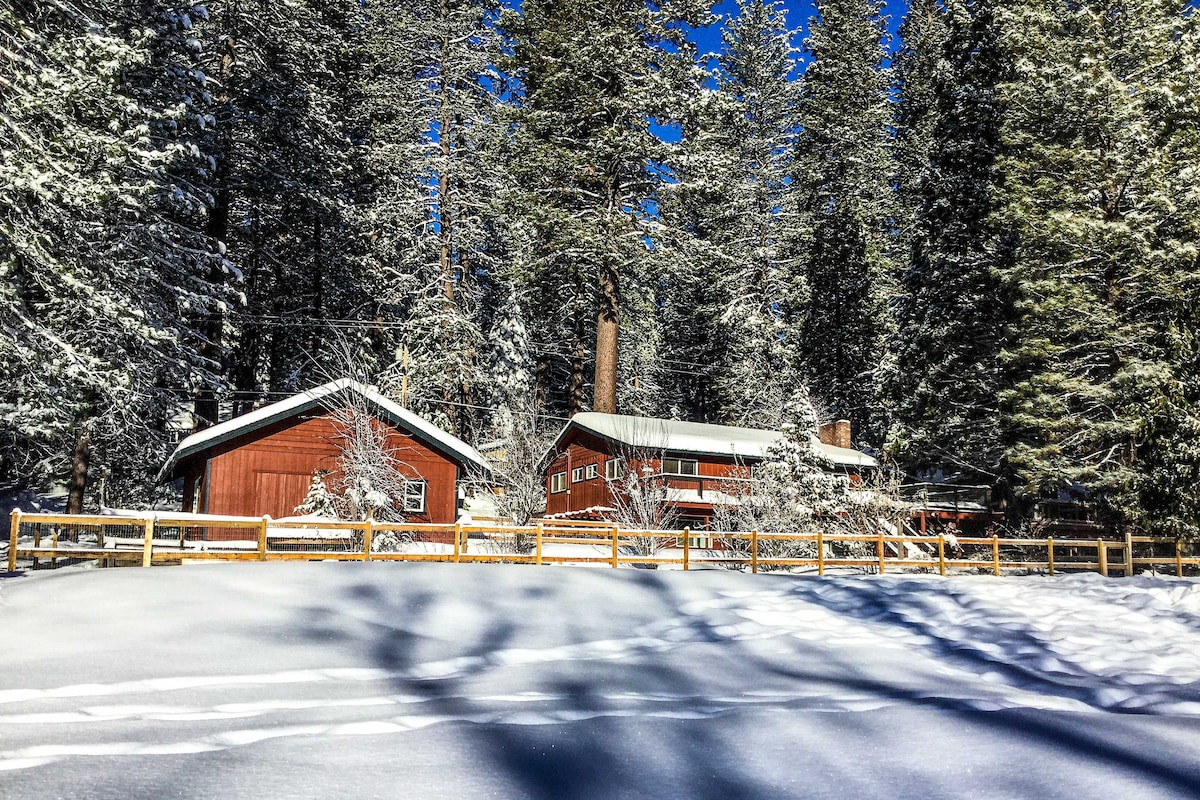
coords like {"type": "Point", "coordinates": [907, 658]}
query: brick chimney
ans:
{"type": "Point", "coordinates": [835, 433]}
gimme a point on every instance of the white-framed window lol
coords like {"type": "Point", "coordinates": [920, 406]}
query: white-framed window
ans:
{"type": "Point", "coordinates": [414, 496]}
{"type": "Point", "coordinates": [680, 466]}
{"type": "Point", "coordinates": [614, 468]}
{"type": "Point", "coordinates": [558, 482]}
{"type": "Point", "coordinates": [577, 475]}
{"type": "Point", "coordinates": [591, 471]}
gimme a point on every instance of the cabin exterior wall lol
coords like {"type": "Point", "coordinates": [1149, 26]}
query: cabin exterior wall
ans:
{"type": "Point", "coordinates": [268, 471]}
{"type": "Point", "coordinates": [584, 449]}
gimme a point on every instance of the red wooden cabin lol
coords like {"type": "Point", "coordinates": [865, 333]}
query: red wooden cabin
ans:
{"type": "Point", "coordinates": [263, 462]}
{"type": "Point", "coordinates": [702, 464]}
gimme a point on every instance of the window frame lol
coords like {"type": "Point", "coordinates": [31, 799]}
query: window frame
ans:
{"type": "Point", "coordinates": [614, 468]}
{"type": "Point", "coordinates": [695, 464]}
{"type": "Point", "coordinates": [558, 479]}
{"type": "Point", "coordinates": [591, 472]}
{"type": "Point", "coordinates": [422, 496]}
{"type": "Point", "coordinates": [577, 474]}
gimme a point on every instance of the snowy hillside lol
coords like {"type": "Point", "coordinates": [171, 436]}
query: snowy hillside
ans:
{"type": "Point", "coordinates": [463, 681]}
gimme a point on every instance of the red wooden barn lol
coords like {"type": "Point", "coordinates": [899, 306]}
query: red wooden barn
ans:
{"type": "Point", "coordinates": [263, 462]}
{"type": "Point", "coordinates": [702, 464]}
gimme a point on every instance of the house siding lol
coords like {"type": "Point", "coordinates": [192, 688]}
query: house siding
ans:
{"type": "Point", "coordinates": [268, 471]}
{"type": "Point", "coordinates": [583, 448]}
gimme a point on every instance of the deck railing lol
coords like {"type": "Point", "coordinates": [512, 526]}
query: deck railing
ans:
{"type": "Point", "coordinates": [39, 541]}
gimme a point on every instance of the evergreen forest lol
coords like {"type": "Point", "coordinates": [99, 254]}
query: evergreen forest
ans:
{"type": "Point", "coordinates": [971, 227]}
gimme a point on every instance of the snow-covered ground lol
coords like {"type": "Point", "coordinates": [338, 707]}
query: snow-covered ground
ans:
{"type": "Point", "coordinates": [462, 681]}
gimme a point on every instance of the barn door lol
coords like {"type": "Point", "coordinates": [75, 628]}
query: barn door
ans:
{"type": "Point", "coordinates": [278, 493]}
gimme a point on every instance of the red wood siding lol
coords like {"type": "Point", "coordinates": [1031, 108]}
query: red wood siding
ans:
{"type": "Point", "coordinates": [583, 448]}
{"type": "Point", "coordinates": [268, 471]}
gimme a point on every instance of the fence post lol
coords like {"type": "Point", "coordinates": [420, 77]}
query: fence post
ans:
{"type": "Point", "coordinates": [457, 541]}
{"type": "Point", "coordinates": [540, 530]}
{"type": "Point", "coordinates": [996, 555]}
{"type": "Point", "coordinates": [262, 537]}
{"type": "Point", "coordinates": [37, 541]}
{"type": "Point", "coordinates": [368, 535]}
{"type": "Point", "coordinates": [879, 546]}
{"type": "Point", "coordinates": [148, 544]}
{"type": "Point", "coordinates": [942, 554]}
{"type": "Point", "coordinates": [14, 528]}
{"type": "Point", "coordinates": [1178, 558]}
{"type": "Point", "coordinates": [754, 552]}
{"type": "Point", "coordinates": [687, 547]}
{"type": "Point", "coordinates": [1050, 554]}
{"type": "Point", "coordinates": [1128, 554]}
{"type": "Point", "coordinates": [820, 552]}
{"type": "Point", "coordinates": [615, 529]}
{"type": "Point", "coordinates": [1102, 557]}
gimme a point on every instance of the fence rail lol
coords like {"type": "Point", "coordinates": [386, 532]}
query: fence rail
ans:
{"type": "Point", "coordinates": [52, 540]}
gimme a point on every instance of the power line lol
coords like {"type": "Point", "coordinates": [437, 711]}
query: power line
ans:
{"type": "Point", "coordinates": [279, 321]}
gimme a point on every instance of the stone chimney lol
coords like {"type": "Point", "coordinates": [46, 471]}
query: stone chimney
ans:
{"type": "Point", "coordinates": [835, 433]}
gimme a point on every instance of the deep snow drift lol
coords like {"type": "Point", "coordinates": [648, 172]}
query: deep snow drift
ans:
{"type": "Point", "coordinates": [437, 680]}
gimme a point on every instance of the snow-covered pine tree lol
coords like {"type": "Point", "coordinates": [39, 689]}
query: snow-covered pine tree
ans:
{"type": "Point", "coordinates": [319, 501]}
{"type": "Point", "coordinates": [922, 37]}
{"type": "Point", "coordinates": [592, 78]}
{"type": "Point", "coordinates": [511, 357]}
{"type": "Point", "coordinates": [952, 312]}
{"type": "Point", "coordinates": [1100, 185]}
{"type": "Point", "coordinates": [97, 269]}
{"type": "Point", "coordinates": [842, 170]}
{"type": "Point", "coordinates": [791, 491]}
{"type": "Point", "coordinates": [284, 113]}
{"type": "Point", "coordinates": [736, 207]}
{"type": "Point", "coordinates": [438, 180]}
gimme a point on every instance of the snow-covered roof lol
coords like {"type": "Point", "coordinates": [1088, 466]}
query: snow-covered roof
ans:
{"type": "Point", "coordinates": [699, 438]}
{"type": "Point", "coordinates": [322, 396]}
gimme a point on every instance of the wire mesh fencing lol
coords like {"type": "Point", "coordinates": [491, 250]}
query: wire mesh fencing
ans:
{"type": "Point", "coordinates": [47, 541]}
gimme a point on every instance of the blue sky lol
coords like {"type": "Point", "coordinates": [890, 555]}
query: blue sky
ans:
{"type": "Point", "coordinates": [799, 12]}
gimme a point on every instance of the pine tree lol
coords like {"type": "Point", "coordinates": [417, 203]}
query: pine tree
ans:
{"type": "Point", "coordinates": [842, 171]}
{"type": "Point", "coordinates": [592, 77]}
{"type": "Point", "coordinates": [953, 311]}
{"type": "Point", "coordinates": [736, 205]}
{"type": "Point", "coordinates": [922, 37]}
{"type": "Point", "coordinates": [319, 501]}
{"type": "Point", "coordinates": [95, 228]}
{"type": "Point", "coordinates": [438, 239]}
{"type": "Point", "coordinates": [284, 186]}
{"type": "Point", "coordinates": [1098, 185]}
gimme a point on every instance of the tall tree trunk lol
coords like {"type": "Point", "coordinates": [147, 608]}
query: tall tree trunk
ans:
{"type": "Point", "coordinates": [604, 397]}
{"type": "Point", "coordinates": [81, 461]}
{"type": "Point", "coordinates": [604, 387]}
{"type": "Point", "coordinates": [575, 386]}
{"type": "Point", "coordinates": [444, 216]}
{"type": "Point", "coordinates": [318, 286]}
{"type": "Point", "coordinates": [207, 409]}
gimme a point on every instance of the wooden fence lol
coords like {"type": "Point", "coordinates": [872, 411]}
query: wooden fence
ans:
{"type": "Point", "coordinates": [49, 540]}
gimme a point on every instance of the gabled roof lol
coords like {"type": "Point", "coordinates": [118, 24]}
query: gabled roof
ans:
{"type": "Point", "coordinates": [322, 397]}
{"type": "Point", "coordinates": [697, 438]}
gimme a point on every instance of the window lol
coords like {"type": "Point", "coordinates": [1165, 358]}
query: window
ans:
{"type": "Point", "coordinates": [680, 466]}
{"type": "Point", "coordinates": [613, 469]}
{"type": "Point", "coordinates": [577, 475]}
{"type": "Point", "coordinates": [414, 496]}
{"type": "Point", "coordinates": [558, 482]}
{"type": "Point", "coordinates": [591, 471]}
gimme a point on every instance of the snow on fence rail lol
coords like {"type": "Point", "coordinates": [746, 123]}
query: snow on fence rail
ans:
{"type": "Point", "coordinates": [52, 540]}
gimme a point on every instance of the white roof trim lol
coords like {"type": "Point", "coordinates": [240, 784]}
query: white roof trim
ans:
{"type": "Point", "coordinates": [699, 438]}
{"type": "Point", "coordinates": [283, 409]}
